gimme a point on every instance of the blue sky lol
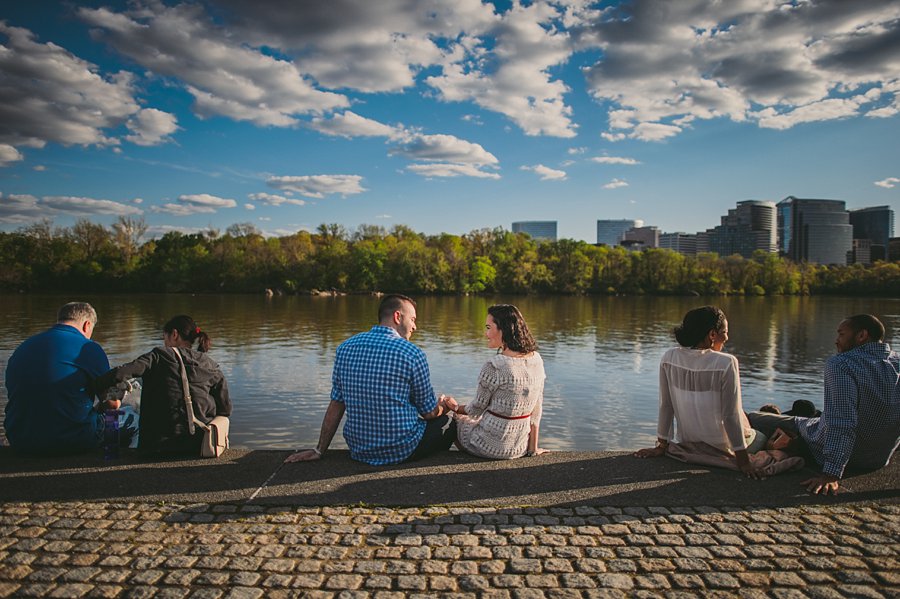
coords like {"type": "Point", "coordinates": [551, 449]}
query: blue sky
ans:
{"type": "Point", "coordinates": [443, 116]}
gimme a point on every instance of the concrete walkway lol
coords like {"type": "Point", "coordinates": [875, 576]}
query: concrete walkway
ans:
{"type": "Point", "coordinates": [559, 525]}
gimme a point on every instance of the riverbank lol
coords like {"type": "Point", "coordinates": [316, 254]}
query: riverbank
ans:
{"type": "Point", "coordinates": [558, 525]}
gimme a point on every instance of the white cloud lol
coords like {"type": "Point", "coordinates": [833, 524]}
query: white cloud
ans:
{"type": "Point", "coordinates": [512, 77]}
{"type": "Point", "coordinates": [349, 124]}
{"type": "Point", "coordinates": [196, 204]}
{"type": "Point", "coordinates": [615, 184]}
{"type": "Point", "coordinates": [546, 173]}
{"type": "Point", "coordinates": [319, 186]}
{"type": "Point", "coordinates": [79, 206]}
{"type": "Point", "coordinates": [9, 154]}
{"type": "Point", "coordinates": [20, 209]}
{"type": "Point", "coordinates": [275, 200]}
{"type": "Point", "coordinates": [249, 207]}
{"type": "Point", "coordinates": [450, 170]}
{"type": "Point", "coordinates": [226, 78]}
{"type": "Point", "coordinates": [23, 208]}
{"type": "Point", "coordinates": [669, 63]}
{"type": "Point", "coordinates": [151, 127]}
{"type": "Point", "coordinates": [824, 110]}
{"type": "Point", "coordinates": [889, 183]}
{"type": "Point", "coordinates": [654, 131]}
{"type": "Point", "coordinates": [576, 151]}
{"type": "Point", "coordinates": [615, 160]}
{"type": "Point", "coordinates": [48, 94]}
{"type": "Point", "coordinates": [612, 136]}
{"type": "Point", "coordinates": [368, 46]}
{"type": "Point", "coordinates": [39, 168]}
{"type": "Point", "coordinates": [444, 148]}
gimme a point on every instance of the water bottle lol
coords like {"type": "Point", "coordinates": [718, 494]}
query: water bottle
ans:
{"type": "Point", "coordinates": [111, 434]}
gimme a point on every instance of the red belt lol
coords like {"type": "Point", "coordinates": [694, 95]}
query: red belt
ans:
{"type": "Point", "coordinates": [508, 417]}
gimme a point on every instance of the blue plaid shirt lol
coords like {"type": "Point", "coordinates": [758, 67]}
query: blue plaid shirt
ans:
{"type": "Point", "coordinates": [383, 381]}
{"type": "Point", "coordinates": [860, 422]}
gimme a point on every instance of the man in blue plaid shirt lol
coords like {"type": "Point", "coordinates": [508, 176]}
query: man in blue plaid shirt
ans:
{"type": "Point", "coordinates": [860, 422]}
{"type": "Point", "coordinates": [381, 381]}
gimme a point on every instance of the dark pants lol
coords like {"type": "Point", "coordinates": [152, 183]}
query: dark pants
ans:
{"type": "Point", "coordinates": [766, 423]}
{"type": "Point", "coordinates": [440, 433]}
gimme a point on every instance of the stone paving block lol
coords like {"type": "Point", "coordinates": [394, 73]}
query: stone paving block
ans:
{"type": "Point", "coordinates": [8, 589]}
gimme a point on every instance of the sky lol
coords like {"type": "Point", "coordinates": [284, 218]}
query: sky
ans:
{"type": "Point", "coordinates": [444, 116]}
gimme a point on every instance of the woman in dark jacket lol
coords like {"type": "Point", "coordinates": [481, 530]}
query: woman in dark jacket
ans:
{"type": "Point", "coordinates": [164, 420]}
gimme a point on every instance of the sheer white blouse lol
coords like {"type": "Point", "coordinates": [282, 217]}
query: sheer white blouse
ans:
{"type": "Point", "coordinates": [700, 399]}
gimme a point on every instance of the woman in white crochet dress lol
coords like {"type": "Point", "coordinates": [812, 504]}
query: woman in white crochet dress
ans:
{"type": "Point", "coordinates": [503, 420]}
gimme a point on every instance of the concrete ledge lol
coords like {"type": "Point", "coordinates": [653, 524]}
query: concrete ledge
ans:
{"type": "Point", "coordinates": [557, 479]}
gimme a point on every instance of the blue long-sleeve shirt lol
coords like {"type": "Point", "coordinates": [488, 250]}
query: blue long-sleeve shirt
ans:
{"type": "Point", "coordinates": [50, 395]}
{"type": "Point", "coordinates": [860, 422]}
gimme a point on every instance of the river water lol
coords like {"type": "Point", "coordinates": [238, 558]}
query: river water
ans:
{"type": "Point", "coordinates": [600, 353]}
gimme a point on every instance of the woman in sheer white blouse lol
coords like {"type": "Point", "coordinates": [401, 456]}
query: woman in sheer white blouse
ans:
{"type": "Point", "coordinates": [504, 419]}
{"type": "Point", "coordinates": [700, 392]}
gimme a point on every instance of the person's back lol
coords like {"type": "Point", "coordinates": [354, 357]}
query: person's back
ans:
{"type": "Point", "coordinates": [50, 392]}
{"type": "Point", "coordinates": [165, 422]}
{"type": "Point", "coordinates": [382, 378]}
{"type": "Point", "coordinates": [703, 387]}
{"type": "Point", "coordinates": [861, 385]}
{"type": "Point", "coordinates": [381, 382]}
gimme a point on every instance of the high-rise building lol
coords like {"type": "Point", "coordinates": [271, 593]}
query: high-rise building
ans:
{"type": "Point", "coordinates": [612, 232]}
{"type": "Point", "coordinates": [893, 253]}
{"type": "Point", "coordinates": [813, 230]}
{"type": "Point", "coordinates": [747, 228]}
{"type": "Point", "coordinates": [683, 243]}
{"type": "Point", "coordinates": [544, 230]}
{"type": "Point", "coordinates": [862, 251]}
{"type": "Point", "coordinates": [647, 237]}
{"type": "Point", "coordinates": [875, 224]}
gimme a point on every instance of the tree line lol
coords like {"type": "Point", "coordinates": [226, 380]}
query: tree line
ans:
{"type": "Point", "coordinates": [91, 257]}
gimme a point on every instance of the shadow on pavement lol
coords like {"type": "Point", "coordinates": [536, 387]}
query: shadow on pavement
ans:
{"type": "Point", "coordinates": [558, 479]}
{"type": "Point", "coordinates": [553, 479]}
{"type": "Point", "coordinates": [87, 477]}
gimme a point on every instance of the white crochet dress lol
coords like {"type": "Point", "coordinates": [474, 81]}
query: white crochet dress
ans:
{"type": "Point", "coordinates": [507, 387]}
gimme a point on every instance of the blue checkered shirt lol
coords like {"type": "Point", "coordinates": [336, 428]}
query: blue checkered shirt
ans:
{"type": "Point", "coordinates": [384, 383]}
{"type": "Point", "coordinates": [860, 422]}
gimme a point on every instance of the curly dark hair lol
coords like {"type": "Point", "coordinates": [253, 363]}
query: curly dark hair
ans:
{"type": "Point", "coordinates": [697, 323]}
{"type": "Point", "coordinates": [511, 323]}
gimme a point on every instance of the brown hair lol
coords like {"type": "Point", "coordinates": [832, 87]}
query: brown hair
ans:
{"type": "Point", "coordinates": [513, 328]}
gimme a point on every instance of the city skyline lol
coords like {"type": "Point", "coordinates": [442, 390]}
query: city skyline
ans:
{"type": "Point", "coordinates": [445, 117]}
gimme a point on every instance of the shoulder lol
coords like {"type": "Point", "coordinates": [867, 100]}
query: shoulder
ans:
{"type": "Point", "coordinates": [670, 354]}
{"type": "Point", "coordinates": [93, 349]}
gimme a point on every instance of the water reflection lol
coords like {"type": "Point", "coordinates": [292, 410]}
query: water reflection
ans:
{"type": "Point", "coordinates": [600, 353]}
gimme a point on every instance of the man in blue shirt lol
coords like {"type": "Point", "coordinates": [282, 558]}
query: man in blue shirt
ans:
{"type": "Point", "coordinates": [382, 382]}
{"type": "Point", "coordinates": [860, 422]}
{"type": "Point", "coordinates": [49, 386]}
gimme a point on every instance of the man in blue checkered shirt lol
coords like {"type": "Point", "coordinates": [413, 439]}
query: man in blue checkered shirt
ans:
{"type": "Point", "coordinates": [381, 381]}
{"type": "Point", "coordinates": [860, 422]}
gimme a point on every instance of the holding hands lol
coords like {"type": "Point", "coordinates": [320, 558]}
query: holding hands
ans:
{"type": "Point", "coordinates": [449, 404]}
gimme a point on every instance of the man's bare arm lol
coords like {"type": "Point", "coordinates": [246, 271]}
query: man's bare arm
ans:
{"type": "Point", "coordinates": [330, 423]}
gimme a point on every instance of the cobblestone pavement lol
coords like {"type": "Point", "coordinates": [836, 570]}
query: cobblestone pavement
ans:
{"type": "Point", "coordinates": [232, 550]}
